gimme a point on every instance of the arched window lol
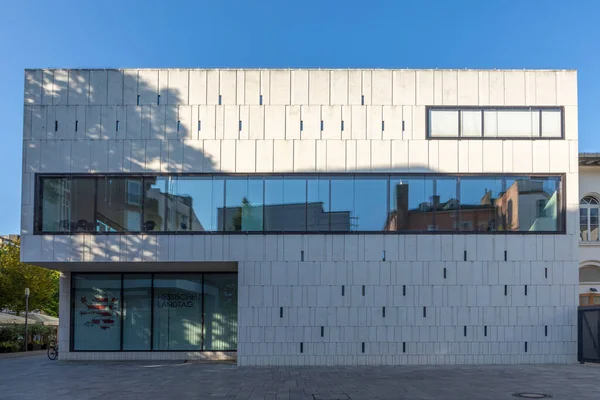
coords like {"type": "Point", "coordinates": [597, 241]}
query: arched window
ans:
{"type": "Point", "coordinates": [588, 218]}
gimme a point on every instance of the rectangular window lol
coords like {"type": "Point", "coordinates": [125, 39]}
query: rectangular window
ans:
{"type": "Point", "coordinates": [137, 311]}
{"type": "Point", "coordinates": [495, 122]}
{"type": "Point", "coordinates": [177, 312]}
{"type": "Point", "coordinates": [220, 309]}
{"type": "Point", "coordinates": [96, 313]}
{"type": "Point", "coordinates": [299, 203]}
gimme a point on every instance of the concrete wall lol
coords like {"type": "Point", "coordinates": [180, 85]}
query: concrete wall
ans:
{"type": "Point", "coordinates": [432, 316]}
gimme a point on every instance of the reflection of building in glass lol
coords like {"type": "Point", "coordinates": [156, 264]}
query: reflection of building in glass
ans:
{"type": "Point", "coordinates": [282, 218]}
{"type": "Point", "coordinates": [525, 205]}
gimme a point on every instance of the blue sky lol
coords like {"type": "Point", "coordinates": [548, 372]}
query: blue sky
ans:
{"type": "Point", "coordinates": [281, 33]}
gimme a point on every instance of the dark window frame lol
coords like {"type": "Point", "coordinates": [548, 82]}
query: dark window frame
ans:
{"type": "Point", "coordinates": [428, 110]}
{"type": "Point", "coordinates": [561, 202]}
{"type": "Point", "coordinates": [152, 274]}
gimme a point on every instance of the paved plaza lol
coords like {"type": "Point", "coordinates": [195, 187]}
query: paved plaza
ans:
{"type": "Point", "coordinates": [39, 378]}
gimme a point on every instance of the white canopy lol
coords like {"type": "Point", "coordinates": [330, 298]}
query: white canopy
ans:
{"type": "Point", "coordinates": [10, 319]}
{"type": "Point", "coordinates": [40, 319]}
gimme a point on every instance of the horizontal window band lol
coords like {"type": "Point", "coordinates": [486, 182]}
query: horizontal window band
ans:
{"type": "Point", "coordinates": [298, 204]}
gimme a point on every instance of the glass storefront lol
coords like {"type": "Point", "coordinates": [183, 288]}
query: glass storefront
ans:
{"type": "Point", "coordinates": [154, 312]}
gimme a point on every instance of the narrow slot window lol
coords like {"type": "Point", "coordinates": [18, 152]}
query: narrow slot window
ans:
{"type": "Point", "coordinates": [525, 290]}
{"type": "Point", "coordinates": [178, 125]}
{"type": "Point", "coordinates": [403, 126]}
{"type": "Point", "coordinates": [363, 290]}
{"type": "Point", "coordinates": [322, 125]}
{"type": "Point", "coordinates": [322, 331]}
{"type": "Point", "coordinates": [301, 347]}
{"type": "Point", "coordinates": [240, 127]}
{"type": "Point", "coordinates": [199, 125]}
{"type": "Point", "coordinates": [158, 100]}
{"type": "Point", "coordinates": [383, 312]}
{"type": "Point", "coordinates": [485, 330]}
{"type": "Point", "coordinates": [505, 255]}
{"type": "Point", "coordinates": [280, 312]}
{"type": "Point", "coordinates": [546, 272]}
{"type": "Point", "coordinates": [525, 347]}
{"type": "Point", "coordinates": [260, 100]}
{"type": "Point", "coordinates": [76, 126]}
{"type": "Point", "coordinates": [383, 255]}
{"type": "Point", "coordinates": [362, 100]}
{"type": "Point", "coordinates": [465, 255]}
{"type": "Point", "coordinates": [343, 290]}
{"type": "Point", "coordinates": [403, 290]}
{"type": "Point", "coordinates": [117, 126]}
{"type": "Point", "coordinates": [424, 312]}
{"type": "Point", "coordinates": [363, 347]}
{"type": "Point", "coordinates": [55, 126]}
{"type": "Point", "coordinates": [546, 330]}
{"type": "Point", "coordinates": [342, 126]}
{"type": "Point", "coordinates": [506, 290]}
{"type": "Point", "coordinates": [404, 347]}
{"type": "Point", "coordinates": [220, 100]}
{"type": "Point", "coordinates": [444, 272]}
{"type": "Point", "coordinates": [301, 125]}
{"type": "Point", "coordinates": [301, 255]}
{"type": "Point", "coordinates": [383, 126]}
{"type": "Point", "coordinates": [465, 331]}
{"type": "Point", "coordinates": [138, 100]}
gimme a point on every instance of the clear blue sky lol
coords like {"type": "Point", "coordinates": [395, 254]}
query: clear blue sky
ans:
{"type": "Point", "coordinates": [281, 33]}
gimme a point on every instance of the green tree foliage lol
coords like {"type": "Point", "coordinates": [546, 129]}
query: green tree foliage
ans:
{"type": "Point", "coordinates": [15, 276]}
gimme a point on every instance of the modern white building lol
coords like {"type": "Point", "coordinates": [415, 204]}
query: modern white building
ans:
{"type": "Point", "coordinates": [306, 217]}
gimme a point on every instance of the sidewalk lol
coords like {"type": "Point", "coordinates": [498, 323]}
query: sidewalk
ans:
{"type": "Point", "coordinates": [21, 354]}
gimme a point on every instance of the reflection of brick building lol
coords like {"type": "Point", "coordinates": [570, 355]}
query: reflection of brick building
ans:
{"type": "Point", "coordinates": [523, 206]}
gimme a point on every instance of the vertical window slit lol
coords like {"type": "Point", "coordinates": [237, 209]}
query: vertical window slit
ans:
{"type": "Point", "coordinates": [322, 331]}
{"type": "Point", "coordinates": [76, 125]}
{"type": "Point", "coordinates": [158, 100]}
{"type": "Point", "coordinates": [546, 330]}
{"type": "Point", "coordinates": [465, 255]}
{"type": "Point", "coordinates": [403, 290]}
{"type": "Point", "coordinates": [260, 100]}
{"type": "Point", "coordinates": [424, 312]}
{"type": "Point", "coordinates": [383, 126]}
{"type": "Point", "coordinates": [301, 255]}
{"type": "Point", "coordinates": [525, 347]}
{"type": "Point", "coordinates": [383, 312]}
{"type": "Point", "coordinates": [465, 331]}
{"type": "Point", "coordinates": [342, 125]}
{"type": "Point", "coordinates": [280, 312]}
{"type": "Point", "coordinates": [55, 126]}
{"type": "Point", "coordinates": [485, 330]}
{"type": "Point", "coordinates": [301, 125]}
{"type": "Point", "coordinates": [301, 347]}
{"type": "Point", "coordinates": [138, 100]}
{"type": "Point", "coordinates": [444, 272]}
{"type": "Point", "coordinates": [506, 290]}
{"type": "Point", "coordinates": [363, 290]}
{"type": "Point", "coordinates": [383, 255]}
{"type": "Point", "coordinates": [117, 126]}
{"type": "Point", "coordinates": [402, 126]}
{"type": "Point", "coordinates": [525, 290]}
{"type": "Point", "coordinates": [240, 126]}
{"type": "Point", "coordinates": [505, 255]}
{"type": "Point", "coordinates": [220, 99]}
{"type": "Point", "coordinates": [322, 125]}
{"type": "Point", "coordinates": [199, 125]}
{"type": "Point", "coordinates": [178, 125]}
{"type": "Point", "coordinates": [362, 100]}
{"type": "Point", "coordinates": [363, 347]}
{"type": "Point", "coordinates": [546, 272]}
{"type": "Point", "coordinates": [404, 347]}
{"type": "Point", "coordinates": [343, 290]}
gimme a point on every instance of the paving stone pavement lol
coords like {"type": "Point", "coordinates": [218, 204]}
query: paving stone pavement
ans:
{"type": "Point", "coordinates": [39, 378]}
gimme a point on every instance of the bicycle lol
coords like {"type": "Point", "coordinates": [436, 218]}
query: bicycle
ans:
{"type": "Point", "coordinates": [53, 352]}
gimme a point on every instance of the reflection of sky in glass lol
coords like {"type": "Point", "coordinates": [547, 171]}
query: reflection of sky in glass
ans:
{"type": "Point", "coordinates": [446, 189]}
{"type": "Point", "coordinates": [342, 194]}
{"type": "Point", "coordinates": [370, 204]}
{"type": "Point", "coordinates": [318, 192]}
{"type": "Point", "coordinates": [472, 190]}
{"type": "Point", "coordinates": [200, 190]}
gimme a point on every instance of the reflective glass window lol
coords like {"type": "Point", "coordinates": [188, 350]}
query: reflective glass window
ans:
{"type": "Point", "coordinates": [243, 204]}
{"type": "Point", "coordinates": [445, 204]}
{"type": "Point", "coordinates": [96, 315]}
{"type": "Point", "coordinates": [370, 203]}
{"type": "Point", "coordinates": [156, 203]}
{"type": "Point", "coordinates": [343, 216]}
{"type": "Point", "coordinates": [137, 311]}
{"type": "Point", "coordinates": [177, 312]}
{"type": "Point", "coordinates": [56, 205]}
{"type": "Point", "coordinates": [82, 204]}
{"type": "Point", "coordinates": [551, 123]}
{"type": "Point", "coordinates": [411, 203]}
{"type": "Point", "coordinates": [470, 123]}
{"type": "Point", "coordinates": [317, 209]}
{"type": "Point", "coordinates": [220, 311]}
{"type": "Point", "coordinates": [191, 199]}
{"type": "Point", "coordinates": [443, 123]}
{"type": "Point", "coordinates": [484, 206]}
{"type": "Point", "coordinates": [285, 204]}
{"type": "Point", "coordinates": [119, 204]}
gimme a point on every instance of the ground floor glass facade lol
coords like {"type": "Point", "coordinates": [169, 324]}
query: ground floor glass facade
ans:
{"type": "Point", "coordinates": [154, 312]}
